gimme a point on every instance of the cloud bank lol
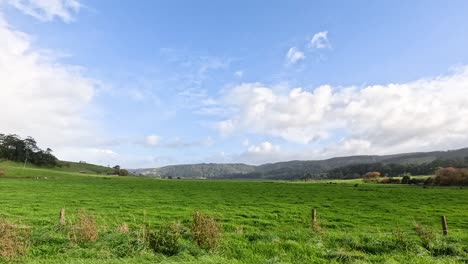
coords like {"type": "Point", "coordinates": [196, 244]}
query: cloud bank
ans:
{"type": "Point", "coordinates": [425, 114]}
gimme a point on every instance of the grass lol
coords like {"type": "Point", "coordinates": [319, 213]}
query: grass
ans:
{"type": "Point", "coordinates": [69, 166]}
{"type": "Point", "coordinates": [258, 221]}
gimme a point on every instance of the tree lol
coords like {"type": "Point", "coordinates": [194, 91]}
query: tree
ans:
{"type": "Point", "coordinates": [116, 170]}
{"type": "Point", "coordinates": [13, 148]}
{"type": "Point", "coordinates": [406, 179]}
{"type": "Point", "coordinates": [123, 172]}
{"type": "Point", "coordinates": [451, 176]}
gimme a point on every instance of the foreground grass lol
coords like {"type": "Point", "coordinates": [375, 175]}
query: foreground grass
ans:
{"type": "Point", "coordinates": [261, 222]}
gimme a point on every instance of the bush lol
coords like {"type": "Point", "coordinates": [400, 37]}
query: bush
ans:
{"type": "Point", "coordinates": [205, 231]}
{"type": "Point", "coordinates": [406, 179]}
{"type": "Point", "coordinates": [451, 176]}
{"type": "Point", "coordinates": [390, 180]}
{"type": "Point", "coordinates": [372, 176]}
{"type": "Point", "coordinates": [85, 228]}
{"type": "Point", "coordinates": [123, 172]}
{"type": "Point", "coordinates": [166, 240]}
{"type": "Point", "coordinates": [13, 240]}
{"type": "Point", "coordinates": [2, 173]}
{"type": "Point", "coordinates": [429, 181]}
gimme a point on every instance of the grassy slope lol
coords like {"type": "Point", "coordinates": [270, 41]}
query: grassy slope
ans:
{"type": "Point", "coordinates": [83, 167]}
{"type": "Point", "coordinates": [263, 222]}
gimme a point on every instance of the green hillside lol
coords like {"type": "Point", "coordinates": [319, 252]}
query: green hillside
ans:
{"type": "Point", "coordinates": [203, 170]}
{"type": "Point", "coordinates": [291, 170]}
{"type": "Point", "coordinates": [62, 166]}
{"type": "Point", "coordinates": [83, 167]}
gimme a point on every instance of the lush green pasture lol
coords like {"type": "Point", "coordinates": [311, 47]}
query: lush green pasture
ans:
{"type": "Point", "coordinates": [262, 222]}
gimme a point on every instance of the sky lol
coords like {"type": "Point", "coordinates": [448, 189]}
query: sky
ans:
{"type": "Point", "coordinates": [151, 83]}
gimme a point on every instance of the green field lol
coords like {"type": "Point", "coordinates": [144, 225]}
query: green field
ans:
{"type": "Point", "coordinates": [261, 222]}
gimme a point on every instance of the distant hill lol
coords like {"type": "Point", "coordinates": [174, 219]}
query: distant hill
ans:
{"type": "Point", "coordinates": [203, 170]}
{"type": "Point", "coordinates": [294, 169]}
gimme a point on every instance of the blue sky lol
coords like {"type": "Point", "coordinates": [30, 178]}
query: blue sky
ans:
{"type": "Point", "coordinates": [150, 83]}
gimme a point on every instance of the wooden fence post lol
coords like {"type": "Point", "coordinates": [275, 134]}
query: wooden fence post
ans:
{"type": "Point", "coordinates": [62, 217]}
{"type": "Point", "coordinates": [444, 225]}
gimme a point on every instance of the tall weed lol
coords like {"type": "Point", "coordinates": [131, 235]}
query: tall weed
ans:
{"type": "Point", "coordinates": [205, 231]}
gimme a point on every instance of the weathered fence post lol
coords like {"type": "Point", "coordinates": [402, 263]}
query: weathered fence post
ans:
{"type": "Point", "coordinates": [314, 217]}
{"type": "Point", "coordinates": [444, 225]}
{"type": "Point", "coordinates": [62, 217]}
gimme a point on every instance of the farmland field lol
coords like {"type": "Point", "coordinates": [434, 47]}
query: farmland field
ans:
{"type": "Point", "coordinates": [259, 221]}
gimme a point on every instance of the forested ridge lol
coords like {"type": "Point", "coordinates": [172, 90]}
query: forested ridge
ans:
{"type": "Point", "coordinates": [14, 148]}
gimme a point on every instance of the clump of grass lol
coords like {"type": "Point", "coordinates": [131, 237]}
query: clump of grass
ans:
{"type": "Point", "coordinates": [143, 233]}
{"type": "Point", "coordinates": [345, 256]}
{"type": "Point", "coordinates": [166, 240]}
{"type": "Point", "coordinates": [400, 240]}
{"type": "Point", "coordinates": [316, 228]}
{"type": "Point", "coordinates": [425, 234]}
{"type": "Point", "coordinates": [205, 231]}
{"type": "Point", "coordinates": [123, 228]}
{"type": "Point", "coordinates": [13, 240]}
{"type": "Point", "coordinates": [85, 228]}
{"type": "Point", "coordinates": [2, 173]}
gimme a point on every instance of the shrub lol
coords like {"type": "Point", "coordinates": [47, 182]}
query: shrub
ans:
{"type": "Point", "coordinates": [429, 181]}
{"type": "Point", "coordinates": [372, 176]}
{"type": "Point", "coordinates": [85, 228]}
{"type": "Point", "coordinates": [205, 231]}
{"type": "Point", "coordinates": [2, 173]}
{"type": "Point", "coordinates": [13, 240]}
{"type": "Point", "coordinates": [389, 180]}
{"type": "Point", "coordinates": [166, 240]}
{"type": "Point", "coordinates": [406, 179]}
{"type": "Point", "coordinates": [451, 176]}
{"type": "Point", "coordinates": [123, 172]}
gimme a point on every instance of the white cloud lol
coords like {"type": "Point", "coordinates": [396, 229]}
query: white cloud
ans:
{"type": "Point", "coordinates": [293, 116]}
{"type": "Point", "coordinates": [320, 40]}
{"type": "Point", "coordinates": [426, 114]}
{"type": "Point", "coordinates": [152, 140]}
{"type": "Point", "coordinates": [258, 154]}
{"type": "Point", "coordinates": [294, 55]}
{"type": "Point", "coordinates": [263, 148]}
{"type": "Point", "coordinates": [226, 127]}
{"type": "Point", "coordinates": [47, 10]}
{"type": "Point", "coordinates": [239, 74]}
{"type": "Point", "coordinates": [42, 97]}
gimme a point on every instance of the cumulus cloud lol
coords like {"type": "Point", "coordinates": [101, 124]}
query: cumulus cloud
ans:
{"type": "Point", "coordinates": [44, 98]}
{"type": "Point", "coordinates": [259, 154]}
{"type": "Point", "coordinates": [421, 115]}
{"type": "Point", "coordinates": [47, 10]}
{"type": "Point", "coordinates": [294, 116]}
{"type": "Point", "coordinates": [265, 147]}
{"type": "Point", "coordinates": [294, 55]}
{"type": "Point", "coordinates": [320, 40]}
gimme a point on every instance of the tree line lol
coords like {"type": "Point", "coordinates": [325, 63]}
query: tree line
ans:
{"type": "Point", "coordinates": [392, 170]}
{"type": "Point", "coordinates": [14, 148]}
